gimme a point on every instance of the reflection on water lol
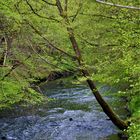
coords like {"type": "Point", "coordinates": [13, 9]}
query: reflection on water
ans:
{"type": "Point", "coordinates": [74, 114]}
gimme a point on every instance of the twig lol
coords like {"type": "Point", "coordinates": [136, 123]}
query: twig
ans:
{"type": "Point", "coordinates": [52, 4]}
{"type": "Point", "coordinates": [13, 68]}
{"type": "Point", "coordinates": [77, 12]}
{"type": "Point", "coordinates": [56, 48]}
{"type": "Point", "coordinates": [32, 9]}
{"type": "Point", "coordinates": [117, 5]}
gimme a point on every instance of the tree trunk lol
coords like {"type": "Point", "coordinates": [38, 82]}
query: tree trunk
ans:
{"type": "Point", "coordinates": [7, 43]}
{"type": "Point", "coordinates": [106, 108]}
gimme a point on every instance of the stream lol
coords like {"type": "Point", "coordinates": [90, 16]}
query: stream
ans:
{"type": "Point", "coordinates": [72, 114]}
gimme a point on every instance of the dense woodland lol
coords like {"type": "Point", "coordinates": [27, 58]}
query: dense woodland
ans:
{"type": "Point", "coordinates": [95, 41]}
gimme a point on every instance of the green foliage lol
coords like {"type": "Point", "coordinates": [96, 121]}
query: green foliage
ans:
{"type": "Point", "coordinates": [134, 131]}
{"type": "Point", "coordinates": [14, 92]}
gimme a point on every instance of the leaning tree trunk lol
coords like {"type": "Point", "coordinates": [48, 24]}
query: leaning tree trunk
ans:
{"type": "Point", "coordinates": [106, 108]}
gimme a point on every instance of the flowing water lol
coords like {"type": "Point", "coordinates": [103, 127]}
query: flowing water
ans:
{"type": "Point", "coordinates": [72, 114]}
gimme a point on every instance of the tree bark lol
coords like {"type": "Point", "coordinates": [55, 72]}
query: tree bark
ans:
{"type": "Point", "coordinates": [105, 106]}
{"type": "Point", "coordinates": [7, 43]}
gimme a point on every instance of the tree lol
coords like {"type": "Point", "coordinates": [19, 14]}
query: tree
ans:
{"type": "Point", "coordinates": [106, 108]}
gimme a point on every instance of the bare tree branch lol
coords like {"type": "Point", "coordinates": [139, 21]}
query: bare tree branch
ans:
{"type": "Point", "coordinates": [77, 12]}
{"type": "Point", "coordinates": [105, 16]}
{"type": "Point", "coordinates": [56, 48]}
{"type": "Point", "coordinates": [17, 64]}
{"type": "Point", "coordinates": [52, 4]}
{"type": "Point", "coordinates": [117, 5]}
{"type": "Point", "coordinates": [66, 5]}
{"type": "Point", "coordinates": [32, 9]}
{"type": "Point", "coordinates": [48, 62]}
{"type": "Point", "coordinates": [98, 15]}
{"type": "Point", "coordinates": [59, 6]}
{"type": "Point", "coordinates": [17, 6]}
{"type": "Point", "coordinates": [87, 42]}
